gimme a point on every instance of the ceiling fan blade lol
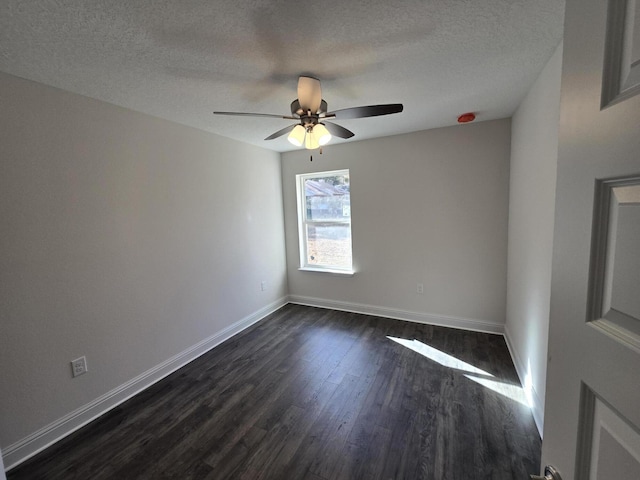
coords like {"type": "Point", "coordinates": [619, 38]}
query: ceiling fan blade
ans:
{"type": "Point", "coordinates": [337, 130]}
{"type": "Point", "coordinates": [309, 94]}
{"type": "Point", "coordinates": [280, 132]}
{"type": "Point", "coordinates": [368, 111]}
{"type": "Point", "coordinates": [269, 115]}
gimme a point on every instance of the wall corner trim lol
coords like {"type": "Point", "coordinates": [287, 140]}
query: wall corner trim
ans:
{"type": "Point", "coordinates": [34, 443]}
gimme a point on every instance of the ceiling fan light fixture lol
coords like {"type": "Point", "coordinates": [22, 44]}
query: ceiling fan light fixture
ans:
{"type": "Point", "coordinates": [309, 109]}
{"type": "Point", "coordinates": [311, 141]}
{"type": "Point", "coordinates": [296, 137]}
{"type": "Point", "coordinates": [322, 134]}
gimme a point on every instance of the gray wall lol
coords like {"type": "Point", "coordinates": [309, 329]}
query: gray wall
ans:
{"type": "Point", "coordinates": [428, 207]}
{"type": "Point", "coordinates": [125, 238]}
{"type": "Point", "coordinates": [534, 154]}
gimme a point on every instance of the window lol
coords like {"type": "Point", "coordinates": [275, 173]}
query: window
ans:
{"type": "Point", "coordinates": [324, 221]}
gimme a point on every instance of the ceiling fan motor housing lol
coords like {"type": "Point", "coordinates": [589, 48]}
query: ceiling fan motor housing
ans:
{"type": "Point", "coordinates": [308, 119]}
{"type": "Point", "coordinates": [296, 109]}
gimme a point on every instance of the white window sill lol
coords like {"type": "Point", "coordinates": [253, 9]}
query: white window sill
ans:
{"type": "Point", "coordinates": [345, 273]}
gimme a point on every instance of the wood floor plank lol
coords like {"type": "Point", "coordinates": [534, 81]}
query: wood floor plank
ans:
{"type": "Point", "coordinates": [298, 433]}
{"type": "Point", "coordinates": [237, 456]}
{"type": "Point", "coordinates": [315, 394]}
{"type": "Point", "coordinates": [328, 461]}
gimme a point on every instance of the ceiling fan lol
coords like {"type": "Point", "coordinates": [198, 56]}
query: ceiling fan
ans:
{"type": "Point", "coordinates": [310, 110]}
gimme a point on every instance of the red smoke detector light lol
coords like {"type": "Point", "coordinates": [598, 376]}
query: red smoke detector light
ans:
{"type": "Point", "coordinates": [467, 117]}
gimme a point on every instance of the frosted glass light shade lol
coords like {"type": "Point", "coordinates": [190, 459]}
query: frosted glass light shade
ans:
{"type": "Point", "coordinates": [322, 134]}
{"type": "Point", "coordinates": [296, 136]}
{"type": "Point", "coordinates": [310, 141]}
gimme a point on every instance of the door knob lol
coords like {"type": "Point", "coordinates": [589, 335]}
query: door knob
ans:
{"type": "Point", "coordinates": [550, 473]}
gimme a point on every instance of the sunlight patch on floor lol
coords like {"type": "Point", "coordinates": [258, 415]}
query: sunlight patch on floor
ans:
{"type": "Point", "coordinates": [514, 392]}
{"type": "Point", "coordinates": [438, 356]}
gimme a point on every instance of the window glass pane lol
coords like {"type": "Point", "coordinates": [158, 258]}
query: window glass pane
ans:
{"type": "Point", "coordinates": [324, 220]}
{"type": "Point", "coordinates": [329, 245]}
{"type": "Point", "coordinates": [327, 198]}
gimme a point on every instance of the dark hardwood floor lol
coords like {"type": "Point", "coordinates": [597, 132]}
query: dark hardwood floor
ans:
{"type": "Point", "coordinates": [316, 394]}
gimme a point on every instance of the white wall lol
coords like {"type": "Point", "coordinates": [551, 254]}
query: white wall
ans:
{"type": "Point", "coordinates": [125, 238]}
{"type": "Point", "coordinates": [534, 154]}
{"type": "Point", "coordinates": [428, 207]}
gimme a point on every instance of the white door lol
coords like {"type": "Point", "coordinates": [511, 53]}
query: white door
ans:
{"type": "Point", "coordinates": [592, 413]}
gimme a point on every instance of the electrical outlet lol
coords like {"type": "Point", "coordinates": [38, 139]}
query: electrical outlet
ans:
{"type": "Point", "coordinates": [79, 366]}
{"type": "Point", "coordinates": [420, 288]}
{"type": "Point", "coordinates": [263, 285]}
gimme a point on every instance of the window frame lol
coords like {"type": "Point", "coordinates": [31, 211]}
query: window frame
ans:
{"type": "Point", "coordinates": [303, 223]}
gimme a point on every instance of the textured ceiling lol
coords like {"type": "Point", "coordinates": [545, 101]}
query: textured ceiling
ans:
{"type": "Point", "coordinates": [180, 60]}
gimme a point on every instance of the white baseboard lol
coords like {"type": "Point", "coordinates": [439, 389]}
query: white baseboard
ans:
{"type": "Point", "coordinates": [537, 408]}
{"type": "Point", "coordinates": [429, 318]}
{"type": "Point", "coordinates": [23, 449]}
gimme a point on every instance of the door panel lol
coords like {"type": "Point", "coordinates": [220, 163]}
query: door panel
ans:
{"type": "Point", "coordinates": [608, 444]}
{"type": "Point", "coordinates": [615, 263]}
{"type": "Point", "coordinates": [594, 338]}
